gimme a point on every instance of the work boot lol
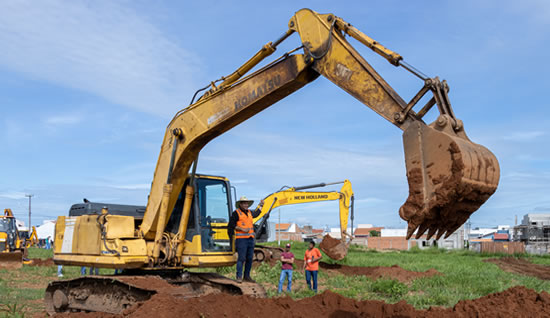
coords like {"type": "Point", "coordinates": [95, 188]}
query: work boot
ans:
{"type": "Point", "coordinates": [239, 280]}
{"type": "Point", "coordinates": [249, 280]}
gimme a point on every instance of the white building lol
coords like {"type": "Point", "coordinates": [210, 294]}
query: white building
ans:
{"type": "Point", "coordinates": [536, 219]}
{"type": "Point", "coordinates": [47, 229]}
{"type": "Point", "coordinates": [335, 232]}
{"type": "Point", "coordinates": [393, 232]}
{"type": "Point", "coordinates": [480, 232]}
{"type": "Point", "coordinates": [454, 241]}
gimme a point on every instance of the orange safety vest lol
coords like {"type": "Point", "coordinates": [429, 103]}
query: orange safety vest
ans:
{"type": "Point", "coordinates": [245, 221]}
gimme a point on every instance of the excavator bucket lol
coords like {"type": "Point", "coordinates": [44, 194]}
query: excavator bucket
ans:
{"type": "Point", "coordinates": [335, 249]}
{"type": "Point", "coordinates": [11, 260]}
{"type": "Point", "coordinates": [449, 177]}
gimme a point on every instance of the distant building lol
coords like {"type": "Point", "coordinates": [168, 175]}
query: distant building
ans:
{"type": "Point", "coordinates": [288, 232]}
{"type": "Point", "coordinates": [366, 232]}
{"type": "Point", "coordinates": [453, 242]}
{"type": "Point", "coordinates": [363, 232]}
{"type": "Point", "coordinates": [536, 219]}
{"type": "Point", "coordinates": [535, 227]}
{"type": "Point", "coordinates": [393, 232]}
{"type": "Point", "coordinates": [335, 232]}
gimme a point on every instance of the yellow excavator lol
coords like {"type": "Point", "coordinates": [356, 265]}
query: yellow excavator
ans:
{"type": "Point", "coordinates": [449, 176]}
{"type": "Point", "coordinates": [294, 195]}
{"type": "Point", "coordinates": [31, 239]}
{"type": "Point", "coordinates": [13, 248]}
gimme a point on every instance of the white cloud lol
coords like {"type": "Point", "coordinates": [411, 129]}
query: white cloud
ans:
{"type": "Point", "coordinates": [242, 181]}
{"type": "Point", "coordinates": [371, 201]}
{"type": "Point", "coordinates": [102, 48]}
{"type": "Point", "coordinates": [524, 135]}
{"type": "Point", "coordinates": [14, 195]}
{"type": "Point", "coordinates": [68, 119]}
{"type": "Point", "coordinates": [137, 186]}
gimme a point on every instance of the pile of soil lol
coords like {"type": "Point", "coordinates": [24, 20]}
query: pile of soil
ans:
{"type": "Point", "coordinates": [42, 262]}
{"type": "Point", "coordinates": [514, 302]}
{"type": "Point", "coordinates": [521, 266]}
{"type": "Point", "coordinates": [374, 272]}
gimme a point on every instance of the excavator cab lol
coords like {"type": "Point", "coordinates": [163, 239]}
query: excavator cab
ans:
{"type": "Point", "coordinates": [210, 210]}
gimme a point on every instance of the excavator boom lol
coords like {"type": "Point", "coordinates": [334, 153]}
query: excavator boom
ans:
{"type": "Point", "coordinates": [449, 176]}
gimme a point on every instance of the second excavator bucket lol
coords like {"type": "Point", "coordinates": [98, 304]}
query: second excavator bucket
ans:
{"type": "Point", "coordinates": [335, 249]}
{"type": "Point", "coordinates": [11, 260]}
{"type": "Point", "coordinates": [449, 177]}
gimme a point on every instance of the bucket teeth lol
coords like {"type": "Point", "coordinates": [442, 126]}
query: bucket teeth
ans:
{"type": "Point", "coordinates": [410, 229]}
{"type": "Point", "coordinates": [431, 232]}
{"type": "Point", "coordinates": [423, 227]}
{"type": "Point", "coordinates": [440, 234]}
{"type": "Point", "coordinates": [453, 229]}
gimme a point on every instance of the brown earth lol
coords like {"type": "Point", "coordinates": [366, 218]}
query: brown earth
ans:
{"type": "Point", "coordinates": [12, 260]}
{"type": "Point", "coordinates": [521, 266]}
{"type": "Point", "coordinates": [41, 262]}
{"type": "Point", "coordinates": [334, 248]}
{"type": "Point", "coordinates": [515, 302]}
{"type": "Point", "coordinates": [375, 272]}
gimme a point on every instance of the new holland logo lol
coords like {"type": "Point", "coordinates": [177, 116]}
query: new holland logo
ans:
{"type": "Point", "coordinates": [311, 197]}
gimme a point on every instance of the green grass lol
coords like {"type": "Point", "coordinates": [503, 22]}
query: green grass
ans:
{"type": "Point", "coordinates": [22, 290]}
{"type": "Point", "coordinates": [464, 276]}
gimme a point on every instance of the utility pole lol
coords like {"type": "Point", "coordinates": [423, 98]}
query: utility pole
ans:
{"type": "Point", "coordinates": [279, 236]}
{"type": "Point", "coordinates": [29, 196]}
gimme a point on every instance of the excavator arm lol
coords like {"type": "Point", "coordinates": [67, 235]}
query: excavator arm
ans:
{"type": "Point", "coordinates": [295, 195]}
{"type": "Point", "coordinates": [449, 176]}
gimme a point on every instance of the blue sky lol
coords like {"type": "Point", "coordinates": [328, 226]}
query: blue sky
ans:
{"type": "Point", "coordinates": [88, 87]}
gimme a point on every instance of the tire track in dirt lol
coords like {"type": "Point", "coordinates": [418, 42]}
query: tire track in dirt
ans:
{"type": "Point", "coordinates": [521, 266]}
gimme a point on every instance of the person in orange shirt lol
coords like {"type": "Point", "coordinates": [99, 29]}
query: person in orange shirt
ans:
{"type": "Point", "coordinates": [311, 265]}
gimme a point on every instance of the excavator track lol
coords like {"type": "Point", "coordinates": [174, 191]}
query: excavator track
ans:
{"type": "Point", "coordinates": [115, 294]}
{"type": "Point", "coordinates": [264, 253]}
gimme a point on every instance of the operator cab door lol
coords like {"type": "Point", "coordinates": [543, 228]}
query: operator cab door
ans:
{"type": "Point", "coordinates": [209, 215]}
{"type": "Point", "coordinates": [213, 209]}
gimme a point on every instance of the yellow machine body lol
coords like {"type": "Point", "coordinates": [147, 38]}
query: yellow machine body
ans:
{"type": "Point", "coordinates": [178, 228]}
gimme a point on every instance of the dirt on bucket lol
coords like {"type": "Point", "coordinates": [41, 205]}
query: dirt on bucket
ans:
{"type": "Point", "coordinates": [521, 266]}
{"type": "Point", "coordinates": [335, 249]}
{"type": "Point", "coordinates": [515, 302]}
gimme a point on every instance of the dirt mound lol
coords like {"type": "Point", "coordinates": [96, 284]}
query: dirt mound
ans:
{"type": "Point", "coordinates": [375, 272]}
{"type": "Point", "coordinates": [334, 248]}
{"type": "Point", "coordinates": [395, 271]}
{"type": "Point", "coordinates": [521, 266]}
{"type": "Point", "coordinates": [514, 302]}
{"type": "Point", "coordinates": [42, 262]}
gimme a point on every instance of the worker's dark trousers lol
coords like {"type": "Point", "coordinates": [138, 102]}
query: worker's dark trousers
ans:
{"type": "Point", "coordinates": [245, 249]}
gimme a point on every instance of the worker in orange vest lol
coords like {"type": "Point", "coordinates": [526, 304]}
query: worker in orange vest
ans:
{"type": "Point", "coordinates": [242, 227]}
{"type": "Point", "coordinates": [311, 265]}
